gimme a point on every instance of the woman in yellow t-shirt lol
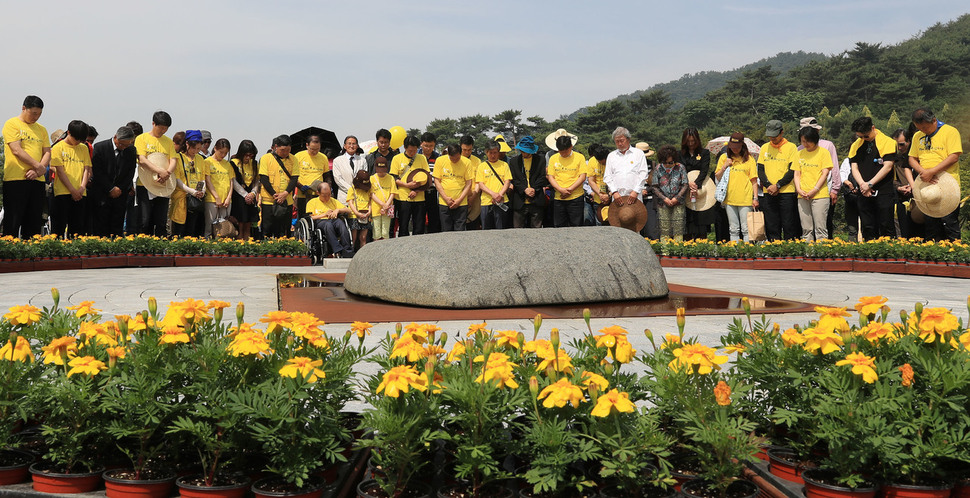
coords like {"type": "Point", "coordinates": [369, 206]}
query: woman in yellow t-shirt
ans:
{"type": "Point", "coordinates": [811, 184]}
{"type": "Point", "coordinates": [187, 219]}
{"type": "Point", "coordinates": [218, 184]}
{"type": "Point", "coordinates": [245, 188]}
{"type": "Point", "coordinates": [359, 201]}
{"type": "Point", "coordinates": [742, 195]}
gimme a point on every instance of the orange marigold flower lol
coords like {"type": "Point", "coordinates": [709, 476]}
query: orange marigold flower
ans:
{"type": "Point", "coordinates": [400, 379]}
{"type": "Point", "coordinates": [218, 305]}
{"type": "Point", "coordinates": [361, 328]}
{"type": "Point", "coordinates": [507, 338]}
{"type": "Point", "coordinates": [697, 358]}
{"type": "Point", "coordinates": [832, 318]}
{"type": "Point", "coordinates": [935, 321]}
{"type": "Point", "coordinates": [722, 393]}
{"type": "Point", "coordinates": [560, 393]}
{"type": "Point", "coordinates": [117, 352]}
{"type": "Point", "coordinates": [590, 378]}
{"type": "Point", "coordinates": [609, 335]}
{"type": "Point", "coordinates": [870, 305]}
{"type": "Point", "coordinates": [792, 337]}
{"type": "Point", "coordinates": [22, 315]}
{"type": "Point", "coordinates": [876, 331]}
{"type": "Point", "coordinates": [965, 340]}
{"type": "Point", "coordinates": [407, 347]}
{"type": "Point", "coordinates": [58, 348]}
{"type": "Point", "coordinates": [276, 320]}
{"type": "Point", "coordinates": [476, 328]}
{"type": "Point", "coordinates": [861, 365]}
{"type": "Point", "coordinates": [173, 334]}
{"type": "Point", "coordinates": [457, 351]}
{"type": "Point", "coordinates": [20, 351]}
{"type": "Point", "coordinates": [817, 339]}
{"type": "Point", "coordinates": [303, 367]}
{"type": "Point", "coordinates": [907, 371]}
{"type": "Point", "coordinates": [85, 365]}
{"type": "Point", "coordinates": [84, 309]}
{"type": "Point", "coordinates": [560, 362]}
{"type": "Point", "coordinates": [613, 400]}
{"type": "Point", "coordinates": [670, 340]}
{"type": "Point", "coordinates": [253, 343]}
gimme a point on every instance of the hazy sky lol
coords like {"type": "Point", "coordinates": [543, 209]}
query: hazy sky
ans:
{"type": "Point", "coordinates": [247, 69]}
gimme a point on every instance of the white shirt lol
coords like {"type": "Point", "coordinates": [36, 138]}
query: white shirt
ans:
{"type": "Point", "coordinates": [344, 174]}
{"type": "Point", "coordinates": [626, 170]}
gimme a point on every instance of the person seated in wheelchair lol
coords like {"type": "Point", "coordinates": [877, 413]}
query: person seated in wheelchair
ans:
{"type": "Point", "coordinates": [326, 211]}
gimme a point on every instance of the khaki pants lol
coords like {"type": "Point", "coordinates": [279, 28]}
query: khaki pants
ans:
{"type": "Point", "coordinates": [813, 215]}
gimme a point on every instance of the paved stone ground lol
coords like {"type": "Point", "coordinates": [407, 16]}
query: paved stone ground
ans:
{"type": "Point", "coordinates": [126, 291]}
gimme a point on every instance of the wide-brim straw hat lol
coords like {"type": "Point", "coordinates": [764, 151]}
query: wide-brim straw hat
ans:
{"type": "Point", "coordinates": [561, 132]}
{"type": "Point", "coordinates": [645, 147]}
{"type": "Point", "coordinates": [705, 193]}
{"type": "Point", "coordinates": [421, 176]}
{"type": "Point", "coordinates": [150, 180]}
{"type": "Point", "coordinates": [625, 214]}
{"type": "Point", "coordinates": [503, 146]}
{"type": "Point", "coordinates": [937, 199]}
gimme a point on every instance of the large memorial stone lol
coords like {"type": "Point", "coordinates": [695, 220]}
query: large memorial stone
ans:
{"type": "Point", "coordinates": [499, 268]}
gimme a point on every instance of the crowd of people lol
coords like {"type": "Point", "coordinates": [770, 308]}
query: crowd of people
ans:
{"type": "Point", "coordinates": [141, 181]}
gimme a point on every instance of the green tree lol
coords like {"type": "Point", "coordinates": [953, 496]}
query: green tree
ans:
{"type": "Point", "coordinates": [508, 123]}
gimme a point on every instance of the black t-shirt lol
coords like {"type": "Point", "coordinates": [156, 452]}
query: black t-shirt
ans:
{"type": "Point", "coordinates": [870, 162]}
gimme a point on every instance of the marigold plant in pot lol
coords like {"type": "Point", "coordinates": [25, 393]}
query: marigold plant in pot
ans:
{"type": "Point", "coordinates": [19, 371]}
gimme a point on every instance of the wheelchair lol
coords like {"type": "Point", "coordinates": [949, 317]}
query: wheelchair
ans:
{"type": "Point", "coordinates": [313, 238]}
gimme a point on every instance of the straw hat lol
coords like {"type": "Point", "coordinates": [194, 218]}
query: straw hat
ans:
{"type": "Point", "coordinates": [420, 176]}
{"type": "Point", "coordinates": [150, 180]}
{"type": "Point", "coordinates": [503, 146]}
{"type": "Point", "coordinates": [551, 138]}
{"type": "Point", "coordinates": [602, 213]}
{"type": "Point", "coordinates": [645, 147]}
{"type": "Point", "coordinates": [628, 214]}
{"type": "Point", "coordinates": [937, 199]}
{"type": "Point", "coordinates": [705, 193]}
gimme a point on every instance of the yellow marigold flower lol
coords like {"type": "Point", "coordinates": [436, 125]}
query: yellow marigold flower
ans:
{"type": "Point", "coordinates": [417, 331]}
{"type": "Point", "coordinates": [407, 347]}
{"type": "Point", "coordinates": [84, 309]}
{"type": "Point", "coordinates": [875, 331]}
{"type": "Point", "coordinates": [498, 369]}
{"type": "Point", "coordinates": [624, 351]}
{"type": "Point", "coordinates": [722, 393]}
{"type": "Point", "coordinates": [305, 325]}
{"type": "Point", "coordinates": [598, 380]}
{"type": "Point", "coordinates": [541, 347]}
{"type": "Point", "coordinates": [434, 350]}
{"type": "Point", "coordinates": [561, 362]}
{"type": "Point", "coordinates": [670, 340]}
{"type": "Point", "coordinates": [401, 379]}
{"type": "Point", "coordinates": [560, 393]}
{"type": "Point", "coordinates": [457, 351]}
{"type": "Point", "coordinates": [792, 337]}
{"type": "Point", "coordinates": [249, 343]}
{"type": "Point", "coordinates": [321, 342]}
{"type": "Point", "coordinates": [361, 328]}
{"type": "Point", "coordinates": [870, 305]}
{"type": "Point", "coordinates": [25, 315]}
{"type": "Point", "coordinates": [85, 365]}
{"type": "Point", "coordinates": [137, 324]}
{"type": "Point", "coordinates": [832, 318]}
{"type": "Point", "coordinates": [935, 321]}
{"type": "Point", "coordinates": [907, 371]}
{"type": "Point", "coordinates": [476, 328]}
{"type": "Point", "coordinates": [965, 340]}
{"type": "Point", "coordinates": [609, 336]}
{"type": "Point", "coordinates": [507, 338]}
{"type": "Point", "coordinates": [20, 351]}
{"type": "Point", "coordinates": [429, 328]}
{"type": "Point", "coordinates": [861, 365]}
{"type": "Point", "coordinates": [825, 340]}
{"type": "Point", "coordinates": [276, 320]}
{"type": "Point", "coordinates": [173, 334]}
{"type": "Point", "coordinates": [304, 368]}
{"type": "Point", "coordinates": [117, 352]}
{"type": "Point", "coordinates": [55, 351]}
{"type": "Point", "coordinates": [735, 348]}
{"type": "Point", "coordinates": [613, 400]}
{"type": "Point", "coordinates": [218, 305]}
{"type": "Point", "coordinates": [697, 357]}
{"type": "Point", "coordinates": [98, 333]}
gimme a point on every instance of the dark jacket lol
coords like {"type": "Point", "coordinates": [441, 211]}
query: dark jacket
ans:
{"type": "Point", "coordinates": [109, 170]}
{"type": "Point", "coordinates": [537, 180]}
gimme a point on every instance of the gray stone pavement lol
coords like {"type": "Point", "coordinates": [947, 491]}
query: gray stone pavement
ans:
{"type": "Point", "coordinates": [126, 291]}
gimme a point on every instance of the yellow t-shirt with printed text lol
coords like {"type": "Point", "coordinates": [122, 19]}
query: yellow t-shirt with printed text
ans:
{"type": "Point", "coordinates": [269, 166]}
{"type": "Point", "coordinates": [316, 206]}
{"type": "Point", "coordinates": [74, 159]}
{"type": "Point", "coordinates": [594, 171]}
{"type": "Point", "coordinates": [946, 141]}
{"type": "Point", "coordinates": [813, 166]}
{"type": "Point", "coordinates": [740, 191]}
{"type": "Point", "coordinates": [360, 199]}
{"type": "Point", "coordinates": [566, 170]}
{"type": "Point", "coordinates": [33, 140]}
{"type": "Point", "coordinates": [221, 174]}
{"type": "Point", "coordinates": [312, 168]}
{"type": "Point", "coordinates": [453, 177]}
{"type": "Point", "coordinates": [382, 188]}
{"type": "Point", "coordinates": [776, 161]}
{"type": "Point", "coordinates": [400, 169]}
{"type": "Point", "coordinates": [486, 176]}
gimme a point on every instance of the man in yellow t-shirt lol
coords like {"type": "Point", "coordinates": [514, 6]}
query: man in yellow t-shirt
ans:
{"type": "Point", "coordinates": [774, 171]}
{"type": "Point", "coordinates": [452, 179]}
{"type": "Point", "coordinates": [566, 172]}
{"type": "Point", "coordinates": [413, 208]}
{"type": "Point", "coordinates": [71, 160]}
{"type": "Point", "coordinates": [467, 144]}
{"type": "Point", "coordinates": [27, 154]}
{"type": "Point", "coordinates": [153, 211]}
{"type": "Point", "coordinates": [325, 211]}
{"type": "Point", "coordinates": [313, 164]}
{"type": "Point", "coordinates": [278, 173]}
{"type": "Point", "coordinates": [936, 148]}
{"type": "Point", "coordinates": [494, 179]}
{"type": "Point", "coordinates": [871, 159]}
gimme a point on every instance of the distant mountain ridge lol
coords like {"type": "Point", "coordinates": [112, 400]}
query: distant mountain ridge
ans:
{"type": "Point", "coordinates": [694, 86]}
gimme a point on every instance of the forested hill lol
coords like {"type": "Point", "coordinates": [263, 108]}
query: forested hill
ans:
{"type": "Point", "coordinates": [694, 86]}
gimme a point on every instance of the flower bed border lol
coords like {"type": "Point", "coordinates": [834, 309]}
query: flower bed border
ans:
{"type": "Point", "coordinates": [147, 260]}
{"type": "Point", "coordinates": [933, 269]}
